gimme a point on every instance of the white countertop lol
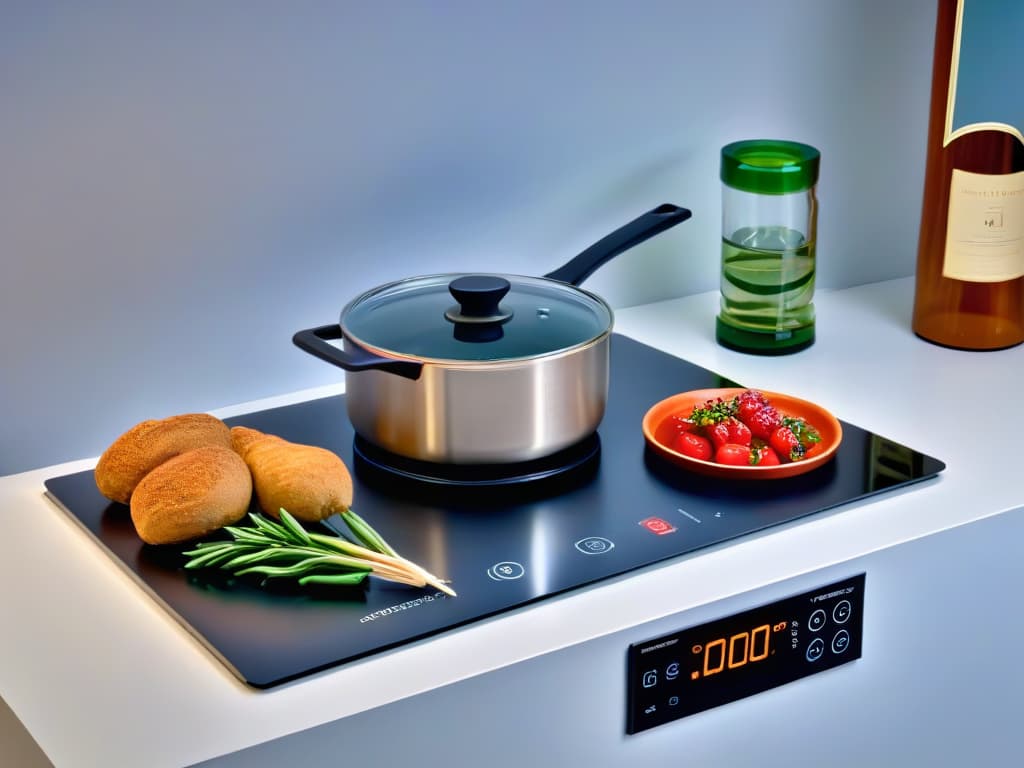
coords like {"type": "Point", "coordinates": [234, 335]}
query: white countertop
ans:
{"type": "Point", "coordinates": [101, 675]}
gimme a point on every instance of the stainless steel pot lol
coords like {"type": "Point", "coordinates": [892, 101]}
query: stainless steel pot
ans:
{"type": "Point", "coordinates": [515, 370]}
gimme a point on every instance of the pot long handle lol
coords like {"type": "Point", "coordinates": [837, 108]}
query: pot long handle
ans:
{"type": "Point", "coordinates": [314, 341]}
{"type": "Point", "coordinates": [641, 228]}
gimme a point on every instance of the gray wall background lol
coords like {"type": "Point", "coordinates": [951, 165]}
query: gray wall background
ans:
{"type": "Point", "coordinates": [184, 185]}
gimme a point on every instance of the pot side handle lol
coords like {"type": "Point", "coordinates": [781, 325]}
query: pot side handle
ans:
{"type": "Point", "coordinates": [314, 341]}
{"type": "Point", "coordinates": [635, 232]}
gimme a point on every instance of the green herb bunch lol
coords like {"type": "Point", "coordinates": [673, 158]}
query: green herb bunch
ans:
{"type": "Point", "coordinates": [286, 549]}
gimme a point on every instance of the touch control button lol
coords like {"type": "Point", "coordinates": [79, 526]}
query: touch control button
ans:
{"type": "Point", "coordinates": [841, 641]}
{"type": "Point", "coordinates": [841, 613]}
{"type": "Point", "coordinates": [506, 571]}
{"type": "Point", "coordinates": [817, 620]}
{"type": "Point", "coordinates": [815, 649]}
{"type": "Point", "coordinates": [595, 545]}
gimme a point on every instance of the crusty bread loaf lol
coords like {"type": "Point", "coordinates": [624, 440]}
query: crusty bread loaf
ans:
{"type": "Point", "coordinates": [149, 444]}
{"type": "Point", "coordinates": [243, 437]}
{"type": "Point", "coordinates": [191, 495]}
{"type": "Point", "coordinates": [311, 483]}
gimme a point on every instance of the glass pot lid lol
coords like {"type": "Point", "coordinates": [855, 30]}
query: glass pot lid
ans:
{"type": "Point", "coordinates": [463, 317]}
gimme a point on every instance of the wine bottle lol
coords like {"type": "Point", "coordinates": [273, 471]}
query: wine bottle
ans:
{"type": "Point", "coordinates": [969, 290]}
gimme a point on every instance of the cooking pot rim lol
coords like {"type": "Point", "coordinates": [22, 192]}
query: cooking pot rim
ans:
{"type": "Point", "coordinates": [479, 365]}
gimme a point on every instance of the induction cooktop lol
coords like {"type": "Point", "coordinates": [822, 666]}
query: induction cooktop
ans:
{"type": "Point", "coordinates": [502, 547]}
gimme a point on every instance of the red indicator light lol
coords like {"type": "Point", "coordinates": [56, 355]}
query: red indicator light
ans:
{"type": "Point", "coordinates": [658, 526]}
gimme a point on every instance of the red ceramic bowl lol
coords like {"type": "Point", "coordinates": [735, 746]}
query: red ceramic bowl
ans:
{"type": "Point", "coordinates": [660, 433]}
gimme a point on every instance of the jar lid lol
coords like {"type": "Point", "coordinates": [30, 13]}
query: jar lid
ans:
{"type": "Point", "coordinates": [769, 167]}
{"type": "Point", "coordinates": [419, 318]}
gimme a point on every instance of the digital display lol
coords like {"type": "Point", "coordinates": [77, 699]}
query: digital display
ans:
{"type": "Point", "coordinates": [750, 646]}
{"type": "Point", "coordinates": [727, 659]}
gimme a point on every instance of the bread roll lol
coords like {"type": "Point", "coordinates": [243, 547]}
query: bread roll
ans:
{"type": "Point", "coordinates": [149, 444]}
{"type": "Point", "coordinates": [310, 482]}
{"type": "Point", "coordinates": [191, 495]}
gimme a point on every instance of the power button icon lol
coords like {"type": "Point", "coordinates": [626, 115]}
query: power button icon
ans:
{"type": "Point", "coordinates": [817, 620]}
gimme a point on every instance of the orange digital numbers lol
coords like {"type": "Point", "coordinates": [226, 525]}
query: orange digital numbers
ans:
{"type": "Point", "coordinates": [765, 636]}
{"type": "Point", "coordinates": [738, 650]}
{"type": "Point", "coordinates": [716, 647]}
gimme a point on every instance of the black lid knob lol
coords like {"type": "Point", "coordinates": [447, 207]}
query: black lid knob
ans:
{"type": "Point", "coordinates": [479, 297]}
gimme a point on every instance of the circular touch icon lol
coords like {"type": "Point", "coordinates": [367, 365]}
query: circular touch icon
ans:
{"type": "Point", "coordinates": [595, 545]}
{"type": "Point", "coordinates": [815, 649]}
{"type": "Point", "coordinates": [842, 612]}
{"type": "Point", "coordinates": [817, 620]}
{"type": "Point", "coordinates": [506, 571]}
{"type": "Point", "coordinates": [841, 641]}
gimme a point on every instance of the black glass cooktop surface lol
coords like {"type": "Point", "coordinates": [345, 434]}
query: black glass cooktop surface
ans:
{"type": "Point", "coordinates": [503, 547]}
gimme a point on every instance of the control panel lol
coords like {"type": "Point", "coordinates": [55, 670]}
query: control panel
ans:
{"type": "Point", "coordinates": [705, 666]}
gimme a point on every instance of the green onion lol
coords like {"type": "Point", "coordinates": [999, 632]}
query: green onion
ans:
{"type": "Point", "coordinates": [286, 549]}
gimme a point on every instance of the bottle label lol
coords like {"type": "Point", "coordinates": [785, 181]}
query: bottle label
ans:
{"type": "Point", "coordinates": [985, 231]}
{"type": "Point", "coordinates": [984, 80]}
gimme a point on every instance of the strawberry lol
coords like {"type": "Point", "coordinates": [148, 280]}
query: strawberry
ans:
{"type": "Point", "coordinates": [804, 432]}
{"type": "Point", "coordinates": [753, 395]}
{"type": "Point", "coordinates": [749, 402]}
{"type": "Point", "coordinates": [735, 455]}
{"type": "Point", "coordinates": [746, 455]}
{"type": "Point", "coordinates": [786, 443]}
{"type": "Point", "coordinates": [731, 430]}
{"type": "Point", "coordinates": [718, 434]}
{"type": "Point", "coordinates": [764, 421]}
{"type": "Point", "coordinates": [745, 431]}
{"type": "Point", "coordinates": [739, 432]}
{"type": "Point", "coordinates": [694, 446]}
{"type": "Point", "coordinates": [765, 456]}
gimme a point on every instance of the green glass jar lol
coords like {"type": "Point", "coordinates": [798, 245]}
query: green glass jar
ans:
{"type": "Point", "coordinates": [769, 229]}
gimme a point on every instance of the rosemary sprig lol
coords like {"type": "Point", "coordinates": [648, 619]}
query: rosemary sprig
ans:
{"type": "Point", "coordinates": [286, 549]}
